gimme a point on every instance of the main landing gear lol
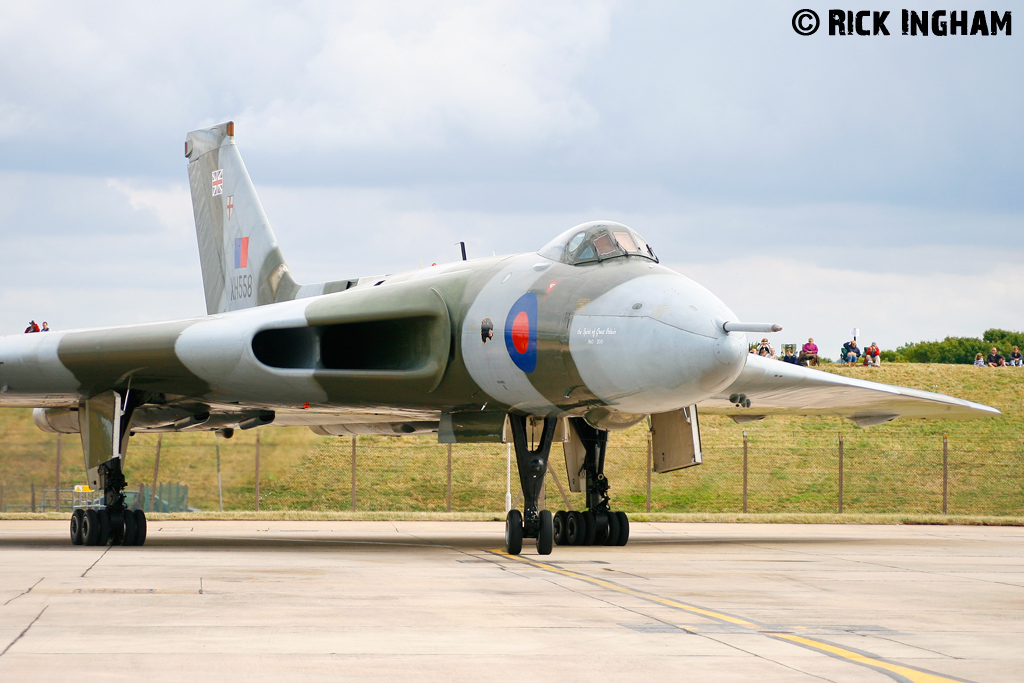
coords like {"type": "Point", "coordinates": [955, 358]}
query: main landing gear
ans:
{"type": "Point", "coordinates": [113, 523]}
{"type": "Point", "coordinates": [105, 425]}
{"type": "Point", "coordinates": [599, 525]}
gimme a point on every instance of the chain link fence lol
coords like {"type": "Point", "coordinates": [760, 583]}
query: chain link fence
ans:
{"type": "Point", "coordinates": [418, 474]}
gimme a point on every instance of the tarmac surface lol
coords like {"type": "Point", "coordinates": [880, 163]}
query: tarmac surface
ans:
{"type": "Point", "coordinates": [425, 601]}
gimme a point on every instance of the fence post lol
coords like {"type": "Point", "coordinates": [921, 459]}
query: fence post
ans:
{"type": "Point", "coordinates": [945, 475]}
{"type": "Point", "coordinates": [840, 473]}
{"type": "Point", "coordinates": [33, 496]}
{"type": "Point", "coordinates": [3, 501]}
{"type": "Point", "coordinates": [508, 477]}
{"type": "Point", "coordinates": [354, 473]}
{"type": "Point", "coordinates": [744, 471]}
{"type": "Point", "coordinates": [449, 477]}
{"type": "Point", "coordinates": [257, 471]}
{"type": "Point", "coordinates": [220, 490]}
{"type": "Point", "coordinates": [156, 465]}
{"type": "Point", "coordinates": [56, 492]}
{"type": "Point", "coordinates": [650, 466]}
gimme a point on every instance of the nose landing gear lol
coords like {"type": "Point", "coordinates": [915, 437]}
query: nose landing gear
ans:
{"type": "Point", "coordinates": [533, 466]}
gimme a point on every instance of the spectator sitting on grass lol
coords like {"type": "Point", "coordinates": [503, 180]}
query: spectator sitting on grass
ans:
{"type": "Point", "coordinates": [995, 359]}
{"type": "Point", "coordinates": [1015, 357]}
{"type": "Point", "coordinates": [851, 352]}
{"type": "Point", "coordinates": [873, 355]}
{"type": "Point", "coordinates": [979, 361]}
{"type": "Point", "coordinates": [789, 358]}
{"type": "Point", "coordinates": [809, 353]}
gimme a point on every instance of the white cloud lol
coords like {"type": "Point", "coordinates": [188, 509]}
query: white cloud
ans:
{"type": "Point", "coordinates": [890, 308]}
{"type": "Point", "coordinates": [381, 133]}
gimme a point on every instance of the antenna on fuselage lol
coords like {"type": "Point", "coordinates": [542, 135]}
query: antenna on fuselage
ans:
{"type": "Point", "coordinates": [463, 245]}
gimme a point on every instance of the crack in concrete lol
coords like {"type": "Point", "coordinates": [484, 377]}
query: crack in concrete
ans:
{"type": "Point", "coordinates": [21, 635]}
{"type": "Point", "coordinates": [25, 592]}
{"type": "Point", "coordinates": [105, 551]}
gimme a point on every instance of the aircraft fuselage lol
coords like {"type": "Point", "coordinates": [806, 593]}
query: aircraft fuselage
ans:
{"type": "Point", "coordinates": [616, 340]}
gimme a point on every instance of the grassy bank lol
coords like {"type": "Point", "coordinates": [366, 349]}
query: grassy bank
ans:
{"type": "Point", "coordinates": [792, 463]}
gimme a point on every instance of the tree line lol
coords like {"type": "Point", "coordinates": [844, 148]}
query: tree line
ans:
{"type": "Point", "coordinates": [955, 349]}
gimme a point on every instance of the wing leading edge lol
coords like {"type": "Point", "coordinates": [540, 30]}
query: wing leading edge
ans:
{"type": "Point", "coordinates": [776, 388]}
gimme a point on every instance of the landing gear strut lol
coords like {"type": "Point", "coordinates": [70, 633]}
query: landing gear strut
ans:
{"type": "Point", "coordinates": [599, 524]}
{"type": "Point", "coordinates": [533, 466]}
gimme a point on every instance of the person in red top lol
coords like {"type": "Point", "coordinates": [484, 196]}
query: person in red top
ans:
{"type": "Point", "coordinates": [873, 355]}
{"type": "Point", "coordinates": [32, 327]}
{"type": "Point", "coordinates": [808, 353]}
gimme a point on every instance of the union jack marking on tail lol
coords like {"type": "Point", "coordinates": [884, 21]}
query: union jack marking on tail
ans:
{"type": "Point", "coordinates": [218, 182]}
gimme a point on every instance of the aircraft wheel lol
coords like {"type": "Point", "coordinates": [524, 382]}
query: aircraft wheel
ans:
{"type": "Point", "coordinates": [558, 528]}
{"type": "Point", "coordinates": [623, 528]}
{"type": "Point", "coordinates": [514, 532]}
{"type": "Point", "coordinates": [90, 527]}
{"type": "Point", "coordinates": [576, 528]}
{"type": "Point", "coordinates": [77, 522]}
{"type": "Point", "coordinates": [591, 520]}
{"type": "Point", "coordinates": [104, 537]}
{"type": "Point", "coordinates": [546, 533]}
{"type": "Point", "coordinates": [140, 527]}
{"type": "Point", "coordinates": [129, 527]}
{"type": "Point", "coordinates": [116, 530]}
{"type": "Point", "coordinates": [613, 529]}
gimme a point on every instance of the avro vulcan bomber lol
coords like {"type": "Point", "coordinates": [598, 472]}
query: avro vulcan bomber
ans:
{"type": "Point", "coordinates": [588, 334]}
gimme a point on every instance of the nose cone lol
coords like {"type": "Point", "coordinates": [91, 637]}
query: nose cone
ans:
{"type": "Point", "coordinates": [654, 344]}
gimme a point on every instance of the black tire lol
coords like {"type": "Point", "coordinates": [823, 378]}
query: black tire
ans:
{"type": "Point", "coordinates": [591, 521]}
{"type": "Point", "coordinates": [140, 527]}
{"type": "Point", "coordinates": [613, 530]}
{"type": "Point", "coordinates": [575, 528]}
{"type": "Point", "coordinates": [559, 524]}
{"type": "Point", "coordinates": [514, 532]}
{"type": "Point", "coordinates": [546, 533]}
{"type": "Point", "coordinates": [104, 527]}
{"type": "Point", "coordinates": [623, 528]}
{"type": "Point", "coordinates": [90, 527]}
{"type": "Point", "coordinates": [76, 527]}
{"type": "Point", "coordinates": [116, 530]}
{"type": "Point", "coordinates": [129, 527]}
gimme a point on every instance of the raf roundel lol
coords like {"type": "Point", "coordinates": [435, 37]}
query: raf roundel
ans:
{"type": "Point", "coordinates": [521, 333]}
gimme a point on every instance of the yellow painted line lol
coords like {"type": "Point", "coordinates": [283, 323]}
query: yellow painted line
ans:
{"type": "Point", "coordinates": [629, 591]}
{"type": "Point", "coordinates": [909, 673]}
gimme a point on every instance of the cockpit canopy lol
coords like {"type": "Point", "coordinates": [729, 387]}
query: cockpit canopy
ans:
{"type": "Point", "coordinates": [595, 242]}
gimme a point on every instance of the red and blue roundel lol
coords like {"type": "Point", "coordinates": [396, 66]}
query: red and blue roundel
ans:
{"type": "Point", "coordinates": [521, 333]}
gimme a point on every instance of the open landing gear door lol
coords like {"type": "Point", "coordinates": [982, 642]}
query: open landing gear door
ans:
{"type": "Point", "coordinates": [102, 435]}
{"type": "Point", "coordinates": [575, 454]}
{"type": "Point", "coordinates": [675, 439]}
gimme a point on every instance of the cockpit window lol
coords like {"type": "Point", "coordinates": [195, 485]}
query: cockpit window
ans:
{"type": "Point", "coordinates": [595, 242]}
{"type": "Point", "coordinates": [605, 244]}
{"type": "Point", "coordinates": [625, 241]}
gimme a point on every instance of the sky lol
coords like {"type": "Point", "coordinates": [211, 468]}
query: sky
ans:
{"type": "Point", "coordinates": [821, 182]}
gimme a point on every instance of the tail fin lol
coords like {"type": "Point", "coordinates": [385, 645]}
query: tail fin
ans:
{"type": "Point", "coordinates": [242, 265]}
